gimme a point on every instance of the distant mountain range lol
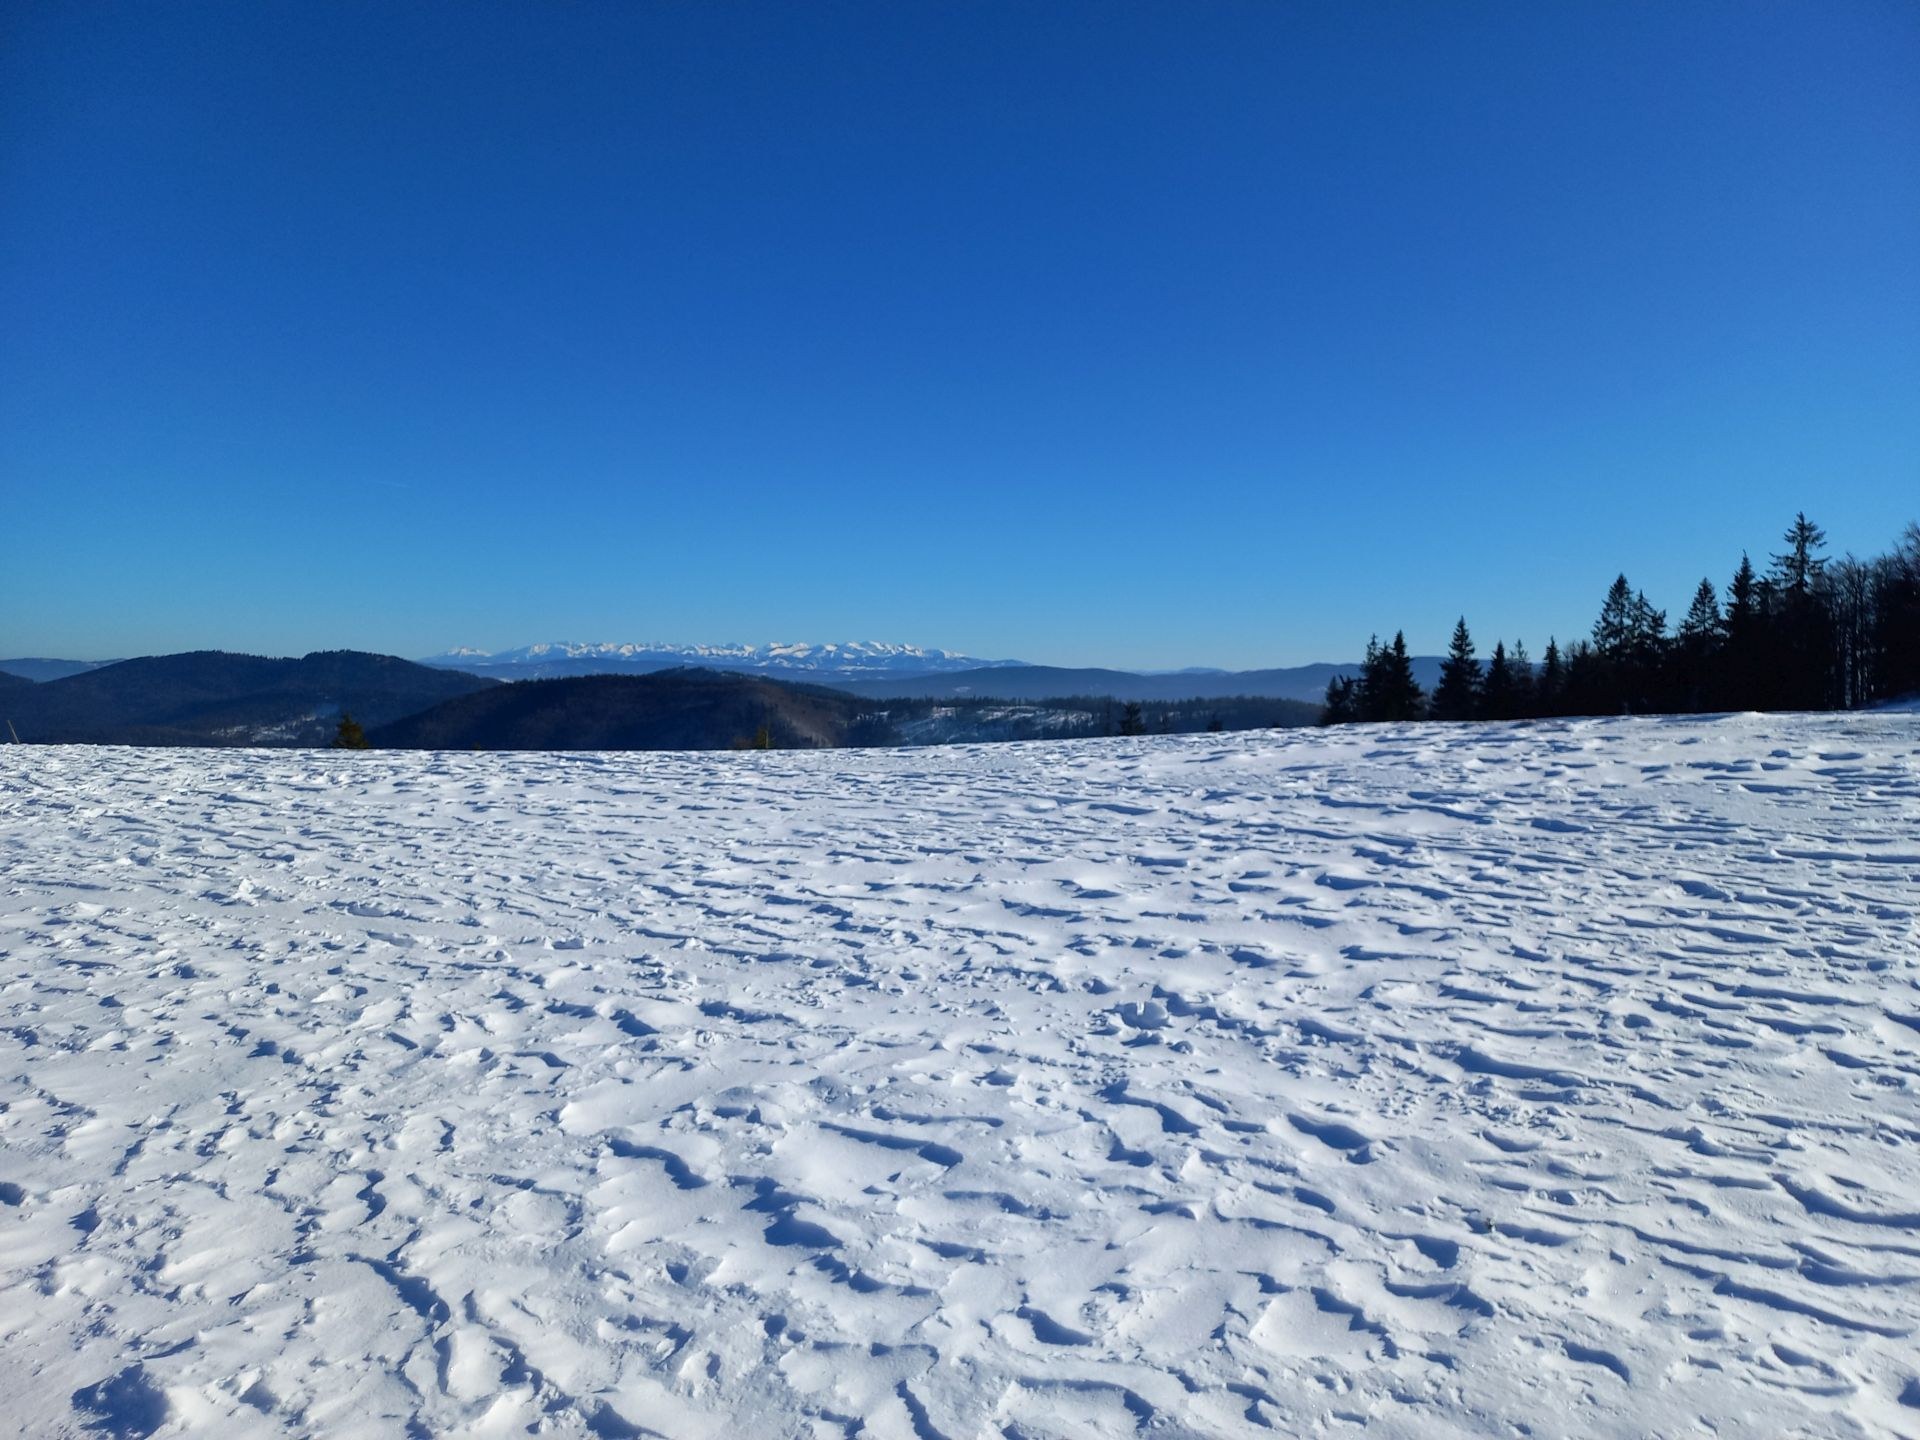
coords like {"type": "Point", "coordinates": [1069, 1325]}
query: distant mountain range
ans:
{"type": "Point", "coordinates": [1306, 683]}
{"type": "Point", "coordinates": [880, 671]}
{"type": "Point", "coordinates": [213, 698]}
{"type": "Point", "coordinates": [857, 658]}
{"type": "Point", "coordinates": [35, 668]}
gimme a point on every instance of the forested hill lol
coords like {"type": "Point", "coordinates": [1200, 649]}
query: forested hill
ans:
{"type": "Point", "coordinates": [211, 697]}
{"type": "Point", "coordinates": [684, 709]}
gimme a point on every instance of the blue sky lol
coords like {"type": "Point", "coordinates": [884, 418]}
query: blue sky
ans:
{"type": "Point", "coordinates": [1144, 335]}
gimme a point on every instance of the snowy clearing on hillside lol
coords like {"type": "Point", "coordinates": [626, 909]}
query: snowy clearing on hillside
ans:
{"type": "Point", "coordinates": [1549, 1080]}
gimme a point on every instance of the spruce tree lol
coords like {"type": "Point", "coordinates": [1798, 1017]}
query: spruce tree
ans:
{"type": "Point", "coordinates": [1743, 682]}
{"type": "Point", "coordinates": [1802, 631]}
{"type": "Point", "coordinates": [1701, 638]}
{"type": "Point", "coordinates": [349, 736]}
{"type": "Point", "coordinates": [1399, 694]}
{"type": "Point", "coordinates": [1644, 686]}
{"type": "Point", "coordinates": [1613, 630]}
{"type": "Point", "coordinates": [1550, 690]}
{"type": "Point", "coordinates": [1496, 693]}
{"type": "Point", "coordinates": [1522, 667]}
{"type": "Point", "coordinates": [1701, 628]}
{"type": "Point", "coordinates": [1742, 600]}
{"type": "Point", "coordinates": [1590, 689]}
{"type": "Point", "coordinates": [1799, 570]}
{"type": "Point", "coordinates": [1343, 702]}
{"type": "Point", "coordinates": [1370, 696]}
{"type": "Point", "coordinates": [1457, 697]}
{"type": "Point", "coordinates": [1132, 722]}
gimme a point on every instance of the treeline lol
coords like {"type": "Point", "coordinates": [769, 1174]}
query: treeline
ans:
{"type": "Point", "coordinates": [1809, 634]}
{"type": "Point", "coordinates": [978, 719]}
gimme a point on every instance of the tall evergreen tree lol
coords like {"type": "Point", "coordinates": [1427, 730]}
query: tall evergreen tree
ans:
{"type": "Point", "coordinates": [1644, 686]}
{"type": "Point", "coordinates": [1701, 627]}
{"type": "Point", "coordinates": [1343, 701]}
{"type": "Point", "coordinates": [1496, 692]}
{"type": "Point", "coordinates": [1613, 632]}
{"type": "Point", "coordinates": [1367, 694]}
{"type": "Point", "coordinates": [1409, 699]}
{"type": "Point", "coordinates": [1590, 688]}
{"type": "Point", "coordinates": [1702, 635]}
{"type": "Point", "coordinates": [1743, 682]}
{"type": "Point", "coordinates": [1802, 630]}
{"type": "Point", "coordinates": [1457, 696]}
{"type": "Point", "coordinates": [1743, 601]}
{"type": "Point", "coordinates": [1798, 571]}
{"type": "Point", "coordinates": [1388, 690]}
{"type": "Point", "coordinates": [1550, 690]}
{"type": "Point", "coordinates": [1523, 679]}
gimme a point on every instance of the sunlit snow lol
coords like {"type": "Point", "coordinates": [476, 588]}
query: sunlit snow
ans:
{"type": "Point", "coordinates": [1554, 1079]}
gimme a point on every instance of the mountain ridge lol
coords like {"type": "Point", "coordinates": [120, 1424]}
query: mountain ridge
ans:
{"type": "Point", "coordinates": [1306, 683]}
{"type": "Point", "coordinates": [212, 697]}
{"type": "Point", "coordinates": [877, 670]}
{"type": "Point", "coordinates": [553, 659]}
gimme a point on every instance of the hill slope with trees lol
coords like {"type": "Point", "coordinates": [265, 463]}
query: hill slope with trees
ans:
{"type": "Point", "coordinates": [664, 710]}
{"type": "Point", "coordinates": [211, 697]}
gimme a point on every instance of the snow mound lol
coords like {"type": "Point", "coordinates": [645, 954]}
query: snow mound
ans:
{"type": "Point", "coordinates": [1443, 1081]}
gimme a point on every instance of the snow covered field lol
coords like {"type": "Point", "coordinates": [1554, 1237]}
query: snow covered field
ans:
{"type": "Point", "coordinates": [1551, 1080]}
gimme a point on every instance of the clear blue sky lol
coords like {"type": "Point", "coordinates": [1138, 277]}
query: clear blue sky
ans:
{"type": "Point", "coordinates": [1184, 333]}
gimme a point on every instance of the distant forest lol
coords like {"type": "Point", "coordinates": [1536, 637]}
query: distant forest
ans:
{"type": "Point", "coordinates": [1809, 634]}
{"type": "Point", "coordinates": [975, 719]}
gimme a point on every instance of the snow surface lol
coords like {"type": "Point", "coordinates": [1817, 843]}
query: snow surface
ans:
{"type": "Point", "coordinates": [1543, 1080]}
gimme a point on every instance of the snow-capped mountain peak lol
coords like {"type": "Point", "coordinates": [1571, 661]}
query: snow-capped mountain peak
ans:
{"type": "Point", "coordinates": [798, 658]}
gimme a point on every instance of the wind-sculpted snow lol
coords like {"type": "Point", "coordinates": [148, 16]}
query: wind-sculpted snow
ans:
{"type": "Point", "coordinates": [1546, 1080]}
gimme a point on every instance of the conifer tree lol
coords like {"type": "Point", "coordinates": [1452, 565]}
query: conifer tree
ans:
{"type": "Point", "coordinates": [1802, 630]}
{"type": "Point", "coordinates": [1702, 636]}
{"type": "Point", "coordinates": [1132, 721]}
{"type": "Point", "coordinates": [349, 736]}
{"type": "Point", "coordinates": [1457, 697]}
{"type": "Point", "coordinates": [1522, 666]}
{"type": "Point", "coordinates": [1369, 696]}
{"type": "Point", "coordinates": [1644, 686]}
{"type": "Point", "coordinates": [1550, 691]}
{"type": "Point", "coordinates": [1701, 628]}
{"type": "Point", "coordinates": [1742, 599]}
{"type": "Point", "coordinates": [1799, 570]}
{"type": "Point", "coordinates": [1496, 692]}
{"type": "Point", "coordinates": [1743, 683]}
{"type": "Point", "coordinates": [1391, 692]}
{"type": "Point", "coordinates": [1343, 701]}
{"type": "Point", "coordinates": [1589, 689]}
{"type": "Point", "coordinates": [1613, 631]}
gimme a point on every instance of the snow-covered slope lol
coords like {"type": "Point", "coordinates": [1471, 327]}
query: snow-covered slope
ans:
{"type": "Point", "coordinates": [801, 660]}
{"type": "Point", "coordinates": [1552, 1080]}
